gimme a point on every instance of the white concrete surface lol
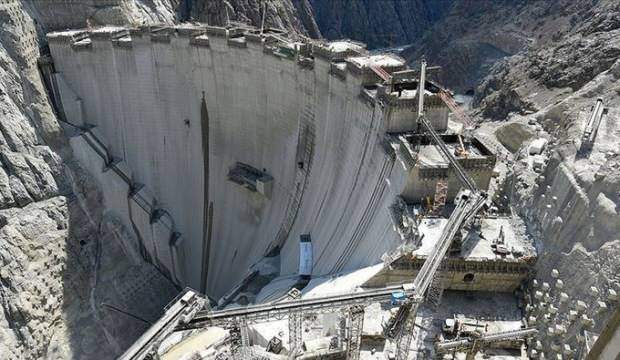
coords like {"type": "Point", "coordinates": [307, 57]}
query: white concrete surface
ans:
{"type": "Point", "coordinates": [140, 98]}
{"type": "Point", "coordinates": [478, 243]}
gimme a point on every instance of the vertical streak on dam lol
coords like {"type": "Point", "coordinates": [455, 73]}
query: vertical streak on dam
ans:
{"type": "Point", "coordinates": [207, 205]}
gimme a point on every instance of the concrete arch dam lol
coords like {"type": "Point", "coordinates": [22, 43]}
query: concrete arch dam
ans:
{"type": "Point", "coordinates": [275, 143]}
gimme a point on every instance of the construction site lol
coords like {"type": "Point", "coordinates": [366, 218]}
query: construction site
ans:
{"type": "Point", "coordinates": [313, 199]}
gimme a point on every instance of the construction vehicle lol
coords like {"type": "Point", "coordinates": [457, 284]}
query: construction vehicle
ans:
{"type": "Point", "coordinates": [461, 151]}
{"type": "Point", "coordinates": [462, 326]}
{"type": "Point", "coordinates": [398, 297]}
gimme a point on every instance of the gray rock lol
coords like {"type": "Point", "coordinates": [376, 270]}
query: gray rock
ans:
{"type": "Point", "coordinates": [6, 196]}
{"type": "Point", "coordinates": [19, 192]}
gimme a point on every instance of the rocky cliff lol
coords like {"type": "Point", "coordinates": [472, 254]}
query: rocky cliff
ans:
{"type": "Point", "coordinates": [570, 194]}
{"type": "Point", "coordinates": [55, 15]}
{"type": "Point", "coordinates": [294, 15]}
{"type": "Point", "coordinates": [378, 23]}
{"type": "Point", "coordinates": [68, 288]}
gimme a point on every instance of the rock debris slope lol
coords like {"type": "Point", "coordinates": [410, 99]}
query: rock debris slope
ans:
{"type": "Point", "coordinates": [570, 194]}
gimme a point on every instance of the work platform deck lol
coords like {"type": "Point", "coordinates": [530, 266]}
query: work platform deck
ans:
{"type": "Point", "coordinates": [479, 266]}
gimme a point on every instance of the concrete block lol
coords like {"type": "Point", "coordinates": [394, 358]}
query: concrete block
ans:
{"type": "Point", "coordinates": [602, 306]}
{"type": "Point", "coordinates": [538, 164]}
{"type": "Point", "coordinates": [559, 284]}
{"type": "Point", "coordinates": [581, 306]}
{"type": "Point", "coordinates": [545, 286]}
{"type": "Point", "coordinates": [585, 320]}
{"type": "Point", "coordinates": [553, 309]}
{"type": "Point", "coordinates": [537, 146]}
{"type": "Point", "coordinates": [538, 295]}
{"type": "Point", "coordinates": [555, 273]}
{"type": "Point", "coordinates": [594, 291]}
{"type": "Point", "coordinates": [563, 297]}
{"type": "Point", "coordinates": [612, 295]}
{"type": "Point", "coordinates": [572, 314]}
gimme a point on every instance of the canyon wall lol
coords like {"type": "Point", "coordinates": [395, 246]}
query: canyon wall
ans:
{"type": "Point", "coordinates": [68, 289]}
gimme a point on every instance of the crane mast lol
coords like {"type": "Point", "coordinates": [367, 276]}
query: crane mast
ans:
{"type": "Point", "coordinates": [467, 206]}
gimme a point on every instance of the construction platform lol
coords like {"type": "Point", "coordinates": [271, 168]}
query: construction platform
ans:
{"type": "Point", "coordinates": [493, 256]}
{"type": "Point", "coordinates": [426, 165]}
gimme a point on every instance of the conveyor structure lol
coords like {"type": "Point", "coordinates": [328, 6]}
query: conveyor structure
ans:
{"type": "Point", "coordinates": [473, 345]}
{"type": "Point", "coordinates": [187, 313]}
{"type": "Point", "coordinates": [179, 311]}
{"type": "Point", "coordinates": [277, 310]}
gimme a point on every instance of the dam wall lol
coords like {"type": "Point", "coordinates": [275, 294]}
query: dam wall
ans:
{"type": "Point", "coordinates": [181, 106]}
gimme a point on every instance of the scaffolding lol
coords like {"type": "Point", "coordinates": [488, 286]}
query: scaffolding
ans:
{"type": "Point", "coordinates": [295, 321]}
{"type": "Point", "coordinates": [441, 194]}
{"type": "Point", "coordinates": [354, 340]}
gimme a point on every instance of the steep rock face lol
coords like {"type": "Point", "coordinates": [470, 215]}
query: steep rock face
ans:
{"type": "Point", "coordinates": [55, 15]}
{"type": "Point", "coordinates": [378, 23]}
{"type": "Point", "coordinates": [466, 38]}
{"type": "Point", "coordinates": [554, 65]}
{"type": "Point", "coordinates": [63, 271]}
{"type": "Point", "coordinates": [460, 36]}
{"type": "Point", "coordinates": [572, 202]}
{"type": "Point", "coordinates": [294, 15]}
{"type": "Point", "coordinates": [473, 36]}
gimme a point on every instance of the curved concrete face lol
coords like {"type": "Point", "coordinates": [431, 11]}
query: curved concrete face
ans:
{"type": "Point", "coordinates": [304, 126]}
